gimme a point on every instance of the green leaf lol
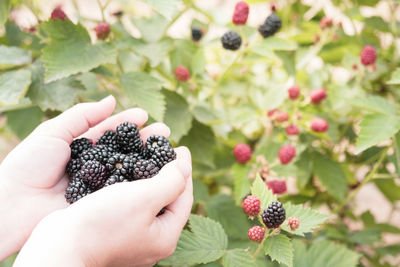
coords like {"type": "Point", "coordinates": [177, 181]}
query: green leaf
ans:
{"type": "Point", "coordinates": [155, 52]}
{"type": "Point", "coordinates": [70, 51]}
{"type": "Point", "coordinates": [367, 2]}
{"type": "Point", "coordinates": [200, 191]}
{"type": "Point", "coordinates": [366, 237]}
{"type": "Point", "coordinates": [152, 28]}
{"type": "Point", "coordinates": [331, 176]}
{"type": "Point", "coordinates": [304, 167]}
{"type": "Point", "coordinates": [177, 116]}
{"type": "Point", "coordinates": [377, 23]}
{"type": "Point", "coordinates": [204, 114]}
{"type": "Point", "coordinates": [260, 190]}
{"type": "Point", "coordinates": [324, 253]}
{"type": "Point", "coordinates": [57, 95]}
{"type": "Point", "coordinates": [375, 104]}
{"type": "Point", "coordinates": [309, 219]}
{"type": "Point", "coordinates": [11, 57]}
{"type": "Point", "coordinates": [275, 43]}
{"type": "Point", "coordinates": [389, 188]}
{"type": "Point", "coordinates": [376, 128]}
{"type": "Point", "coordinates": [222, 209]}
{"type": "Point", "coordinates": [395, 78]}
{"type": "Point", "coordinates": [241, 181]}
{"type": "Point", "coordinates": [280, 249]}
{"type": "Point", "coordinates": [13, 86]}
{"type": "Point", "coordinates": [205, 243]}
{"type": "Point", "coordinates": [238, 258]}
{"type": "Point", "coordinates": [201, 141]}
{"type": "Point", "coordinates": [4, 11]}
{"type": "Point", "coordinates": [393, 250]}
{"type": "Point", "coordinates": [22, 122]}
{"type": "Point", "coordinates": [198, 63]}
{"type": "Point", "coordinates": [144, 91]}
{"type": "Point", "coordinates": [165, 8]}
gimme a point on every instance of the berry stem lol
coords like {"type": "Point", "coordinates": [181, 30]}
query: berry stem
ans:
{"type": "Point", "coordinates": [366, 180]}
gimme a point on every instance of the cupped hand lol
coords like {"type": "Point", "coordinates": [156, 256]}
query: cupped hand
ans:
{"type": "Point", "coordinates": [117, 225]}
{"type": "Point", "coordinates": [32, 176]}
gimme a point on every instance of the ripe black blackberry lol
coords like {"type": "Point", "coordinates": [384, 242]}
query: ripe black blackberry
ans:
{"type": "Point", "coordinates": [271, 25]}
{"type": "Point", "coordinates": [76, 190]}
{"type": "Point", "coordinates": [116, 177]}
{"type": "Point", "coordinates": [231, 40]}
{"type": "Point", "coordinates": [109, 139]}
{"type": "Point", "coordinates": [196, 33]}
{"type": "Point", "coordinates": [274, 215]}
{"type": "Point", "coordinates": [93, 173]}
{"type": "Point", "coordinates": [154, 142]}
{"type": "Point", "coordinates": [128, 138]}
{"type": "Point", "coordinates": [145, 168]}
{"type": "Point", "coordinates": [122, 163]}
{"type": "Point", "coordinates": [159, 149]}
{"type": "Point", "coordinates": [79, 145]}
{"type": "Point", "coordinates": [73, 167]}
{"type": "Point", "coordinates": [100, 153]}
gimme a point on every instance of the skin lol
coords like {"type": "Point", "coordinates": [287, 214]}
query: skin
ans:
{"type": "Point", "coordinates": [115, 226]}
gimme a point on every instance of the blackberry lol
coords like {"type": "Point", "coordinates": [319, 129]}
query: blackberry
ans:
{"type": "Point", "coordinates": [79, 145]}
{"type": "Point", "coordinates": [100, 153]}
{"type": "Point", "coordinates": [163, 155]}
{"type": "Point", "coordinates": [154, 142]}
{"type": "Point", "coordinates": [116, 177]}
{"type": "Point", "coordinates": [109, 139]}
{"type": "Point", "coordinates": [196, 33]}
{"type": "Point", "coordinates": [121, 163]}
{"type": "Point", "coordinates": [128, 138]}
{"type": "Point", "coordinates": [76, 190]}
{"type": "Point", "coordinates": [144, 169]}
{"type": "Point", "coordinates": [161, 212]}
{"type": "Point", "coordinates": [231, 40]}
{"type": "Point", "coordinates": [93, 173]}
{"type": "Point", "coordinates": [73, 166]}
{"type": "Point", "coordinates": [274, 215]}
{"type": "Point", "coordinates": [271, 25]}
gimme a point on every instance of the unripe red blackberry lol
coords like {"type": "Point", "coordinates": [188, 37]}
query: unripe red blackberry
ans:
{"type": "Point", "coordinates": [242, 153]}
{"type": "Point", "coordinates": [368, 55]}
{"type": "Point", "coordinates": [292, 130]}
{"type": "Point", "coordinates": [58, 13]}
{"type": "Point", "coordinates": [277, 186]}
{"type": "Point", "coordinates": [294, 92]}
{"type": "Point", "coordinates": [241, 13]}
{"type": "Point", "coordinates": [102, 30]}
{"type": "Point", "coordinates": [280, 116]}
{"type": "Point", "coordinates": [317, 95]}
{"type": "Point", "coordinates": [182, 74]}
{"type": "Point", "coordinates": [271, 112]}
{"type": "Point", "coordinates": [319, 125]}
{"type": "Point", "coordinates": [286, 154]}
{"type": "Point", "coordinates": [325, 23]}
{"type": "Point", "coordinates": [256, 233]}
{"type": "Point", "coordinates": [293, 223]}
{"type": "Point", "coordinates": [251, 205]}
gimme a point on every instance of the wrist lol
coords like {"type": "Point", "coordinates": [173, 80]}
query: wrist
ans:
{"type": "Point", "coordinates": [52, 243]}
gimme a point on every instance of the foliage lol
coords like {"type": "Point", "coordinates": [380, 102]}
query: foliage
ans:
{"type": "Point", "coordinates": [49, 67]}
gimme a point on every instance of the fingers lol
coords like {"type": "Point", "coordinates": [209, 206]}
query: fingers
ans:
{"type": "Point", "coordinates": [77, 120]}
{"type": "Point", "coordinates": [157, 128]}
{"type": "Point", "coordinates": [134, 115]}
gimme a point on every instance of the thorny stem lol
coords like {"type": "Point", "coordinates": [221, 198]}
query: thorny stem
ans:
{"type": "Point", "coordinates": [261, 245]}
{"type": "Point", "coordinates": [367, 179]}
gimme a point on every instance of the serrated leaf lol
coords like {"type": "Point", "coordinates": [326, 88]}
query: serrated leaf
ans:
{"type": "Point", "coordinates": [260, 190]}
{"type": "Point", "coordinates": [11, 57]}
{"type": "Point", "coordinates": [376, 128]}
{"type": "Point", "coordinates": [374, 104]}
{"type": "Point", "coordinates": [4, 10]}
{"type": "Point", "coordinates": [241, 181]}
{"type": "Point", "coordinates": [201, 141]}
{"type": "Point", "coordinates": [145, 91]}
{"type": "Point", "coordinates": [275, 43]}
{"type": "Point", "coordinates": [331, 175]}
{"type": "Point", "coordinates": [389, 189]}
{"type": "Point", "coordinates": [325, 253]}
{"type": "Point", "coordinates": [57, 95]}
{"type": "Point", "coordinates": [70, 51]}
{"type": "Point", "coordinates": [280, 249]}
{"type": "Point", "coordinates": [238, 258]}
{"type": "Point", "coordinates": [165, 8]}
{"type": "Point", "coordinates": [155, 52]}
{"type": "Point", "coordinates": [205, 243]}
{"type": "Point", "coordinates": [22, 122]}
{"type": "Point", "coordinates": [177, 115]}
{"type": "Point", "coordinates": [152, 28]}
{"type": "Point", "coordinates": [304, 167]}
{"type": "Point", "coordinates": [198, 63]}
{"type": "Point", "coordinates": [13, 86]}
{"type": "Point", "coordinates": [309, 219]}
{"type": "Point", "coordinates": [200, 191]}
{"type": "Point", "coordinates": [204, 114]}
{"type": "Point", "coordinates": [395, 78]}
{"type": "Point", "coordinates": [393, 250]}
{"type": "Point", "coordinates": [222, 209]}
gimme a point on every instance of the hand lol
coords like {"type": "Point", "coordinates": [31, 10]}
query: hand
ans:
{"type": "Point", "coordinates": [117, 225]}
{"type": "Point", "coordinates": [32, 176]}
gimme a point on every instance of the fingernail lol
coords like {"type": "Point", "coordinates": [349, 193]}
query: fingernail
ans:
{"type": "Point", "coordinates": [185, 167]}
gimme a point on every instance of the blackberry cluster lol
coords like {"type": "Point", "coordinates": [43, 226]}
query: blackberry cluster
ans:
{"type": "Point", "coordinates": [118, 156]}
{"type": "Point", "coordinates": [231, 40]}
{"type": "Point", "coordinates": [271, 25]}
{"type": "Point", "coordinates": [274, 215]}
